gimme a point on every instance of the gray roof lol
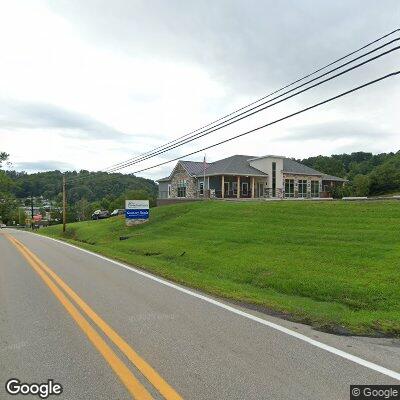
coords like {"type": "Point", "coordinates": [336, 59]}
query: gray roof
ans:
{"type": "Point", "coordinates": [295, 167]}
{"type": "Point", "coordinates": [333, 178]}
{"type": "Point", "coordinates": [234, 165]}
{"type": "Point", "coordinates": [239, 165]}
{"type": "Point", "coordinates": [194, 167]}
{"type": "Point", "coordinates": [166, 179]}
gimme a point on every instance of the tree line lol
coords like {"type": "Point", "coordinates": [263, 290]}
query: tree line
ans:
{"type": "Point", "coordinates": [368, 174]}
{"type": "Point", "coordinates": [92, 191]}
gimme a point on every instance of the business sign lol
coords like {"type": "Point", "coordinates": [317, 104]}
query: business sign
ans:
{"type": "Point", "coordinates": [137, 209]}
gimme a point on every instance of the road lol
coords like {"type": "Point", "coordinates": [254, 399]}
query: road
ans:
{"type": "Point", "coordinates": [105, 331]}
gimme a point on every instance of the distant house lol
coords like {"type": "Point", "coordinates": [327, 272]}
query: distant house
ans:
{"type": "Point", "coordinates": [241, 176]}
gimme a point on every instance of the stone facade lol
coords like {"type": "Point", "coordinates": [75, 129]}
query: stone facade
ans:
{"type": "Point", "coordinates": [181, 174]}
{"type": "Point", "coordinates": [296, 179]}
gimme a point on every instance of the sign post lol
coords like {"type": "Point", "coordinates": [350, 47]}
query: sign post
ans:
{"type": "Point", "coordinates": [136, 212]}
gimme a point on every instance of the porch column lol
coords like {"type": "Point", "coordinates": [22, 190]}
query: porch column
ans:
{"type": "Point", "coordinates": [238, 187]}
{"type": "Point", "coordinates": [252, 187]}
{"type": "Point", "coordinates": [223, 186]}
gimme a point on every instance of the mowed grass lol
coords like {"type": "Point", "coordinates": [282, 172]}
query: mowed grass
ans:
{"type": "Point", "coordinates": [334, 265]}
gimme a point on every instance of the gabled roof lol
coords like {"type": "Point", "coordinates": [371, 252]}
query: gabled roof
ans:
{"type": "Point", "coordinates": [194, 167]}
{"type": "Point", "coordinates": [239, 165]}
{"type": "Point", "coordinates": [234, 165]}
{"type": "Point", "coordinates": [295, 167]}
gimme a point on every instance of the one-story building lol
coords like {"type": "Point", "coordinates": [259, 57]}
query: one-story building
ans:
{"type": "Point", "coordinates": [242, 176]}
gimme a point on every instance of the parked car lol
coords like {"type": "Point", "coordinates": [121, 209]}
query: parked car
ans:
{"type": "Point", "coordinates": [3, 226]}
{"type": "Point", "coordinates": [100, 214]}
{"type": "Point", "coordinates": [118, 211]}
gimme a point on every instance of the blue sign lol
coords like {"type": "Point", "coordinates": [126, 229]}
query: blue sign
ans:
{"type": "Point", "coordinates": [137, 209]}
{"type": "Point", "coordinates": [137, 214]}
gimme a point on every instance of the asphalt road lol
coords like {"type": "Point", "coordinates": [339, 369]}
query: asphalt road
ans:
{"type": "Point", "coordinates": [107, 332]}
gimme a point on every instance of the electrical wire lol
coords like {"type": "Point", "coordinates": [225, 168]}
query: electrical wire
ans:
{"type": "Point", "coordinates": [262, 98]}
{"type": "Point", "coordinates": [236, 119]}
{"type": "Point", "coordinates": [248, 113]}
{"type": "Point", "coordinates": [276, 121]}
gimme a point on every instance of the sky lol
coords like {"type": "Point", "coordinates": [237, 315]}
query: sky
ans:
{"type": "Point", "coordinates": [88, 84]}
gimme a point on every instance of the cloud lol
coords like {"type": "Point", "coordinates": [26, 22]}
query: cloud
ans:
{"type": "Point", "coordinates": [251, 46]}
{"type": "Point", "coordinates": [137, 74]}
{"type": "Point", "coordinates": [334, 130]}
{"type": "Point", "coordinates": [17, 114]}
{"type": "Point", "coordinates": [44, 165]}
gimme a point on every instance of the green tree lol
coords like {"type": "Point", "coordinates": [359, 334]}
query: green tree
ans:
{"type": "Point", "coordinates": [3, 157]}
{"type": "Point", "coordinates": [21, 216]}
{"type": "Point", "coordinates": [361, 185]}
{"type": "Point", "coordinates": [386, 177]}
{"type": "Point", "coordinates": [8, 203]}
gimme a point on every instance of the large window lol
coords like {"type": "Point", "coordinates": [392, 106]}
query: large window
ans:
{"type": "Point", "coordinates": [234, 188]}
{"type": "Point", "coordinates": [314, 188]}
{"type": "Point", "coordinates": [245, 188]}
{"type": "Point", "coordinates": [201, 188]}
{"type": "Point", "coordinates": [302, 188]}
{"type": "Point", "coordinates": [289, 187]}
{"type": "Point", "coordinates": [274, 179]}
{"type": "Point", "coordinates": [182, 188]}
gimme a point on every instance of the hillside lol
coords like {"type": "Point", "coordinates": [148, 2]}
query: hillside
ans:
{"type": "Point", "coordinates": [92, 186]}
{"type": "Point", "coordinates": [333, 265]}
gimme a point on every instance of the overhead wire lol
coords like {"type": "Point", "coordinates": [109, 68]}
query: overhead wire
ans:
{"type": "Point", "coordinates": [260, 99]}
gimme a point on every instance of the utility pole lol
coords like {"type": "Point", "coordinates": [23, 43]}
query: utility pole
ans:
{"type": "Point", "coordinates": [64, 195]}
{"type": "Point", "coordinates": [31, 211]}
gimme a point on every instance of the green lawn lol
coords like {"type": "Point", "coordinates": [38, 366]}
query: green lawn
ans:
{"type": "Point", "coordinates": [333, 265]}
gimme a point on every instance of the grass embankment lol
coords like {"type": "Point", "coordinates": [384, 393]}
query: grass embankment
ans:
{"type": "Point", "coordinates": [331, 265]}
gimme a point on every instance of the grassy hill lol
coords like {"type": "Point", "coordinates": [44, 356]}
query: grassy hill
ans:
{"type": "Point", "coordinates": [333, 265]}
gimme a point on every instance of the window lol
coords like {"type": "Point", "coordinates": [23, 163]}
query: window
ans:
{"type": "Point", "coordinates": [182, 188]}
{"type": "Point", "coordinates": [234, 188]}
{"type": "Point", "coordinates": [302, 187]}
{"type": "Point", "coordinates": [226, 188]}
{"type": "Point", "coordinates": [201, 188]}
{"type": "Point", "coordinates": [245, 188]}
{"type": "Point", "coordinates": [169, 190]}
{"type": "Point", "coordinates": [274, 179]}
{"type": "Point", "coordinates": [289, 187]}
{"type": "Point", "coordinates": [314, 188]}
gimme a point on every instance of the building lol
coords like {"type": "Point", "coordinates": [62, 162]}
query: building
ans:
{"type": "Point", "coordinates": [241, 176]}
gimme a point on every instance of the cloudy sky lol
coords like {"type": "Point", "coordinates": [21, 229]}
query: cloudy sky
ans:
{"type": "Point", "coordinates": [87, 84]}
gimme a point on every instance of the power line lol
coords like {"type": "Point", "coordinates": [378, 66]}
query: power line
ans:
{"type": "Point", "coordinates": [248, 113]}
{"type": "Point", "coordinates": [262, 98]}
{"type": "Point", "coordinates": [236, 119]}
{"type": "Point", "coordinates": [276, 121]}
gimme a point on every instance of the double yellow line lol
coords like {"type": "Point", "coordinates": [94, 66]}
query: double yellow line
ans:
{"type": "Point", "coordinates": [60, 290]}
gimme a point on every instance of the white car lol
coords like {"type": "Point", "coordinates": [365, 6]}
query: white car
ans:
{"type": "Point", "coordinates": [3, 226]}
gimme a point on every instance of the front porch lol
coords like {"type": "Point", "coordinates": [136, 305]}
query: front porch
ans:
{"type": "Point", "coordinates": [240, 187]}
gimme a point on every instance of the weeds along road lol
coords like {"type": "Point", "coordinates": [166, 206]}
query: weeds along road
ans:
{"type": "Point", "coordinates": [105, 331]}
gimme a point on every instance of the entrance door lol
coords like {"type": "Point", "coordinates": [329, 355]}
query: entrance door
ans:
{"type": "Point", "coordinates": [226, 189]}
{"type": "Point", "coordinates": [260, 189]}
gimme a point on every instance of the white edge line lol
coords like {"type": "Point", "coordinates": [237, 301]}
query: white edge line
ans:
{"type": "Point", "coordinates": [234, 310]}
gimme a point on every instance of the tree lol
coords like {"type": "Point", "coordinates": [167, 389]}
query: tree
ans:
{"type": "Point", "coordinates": [3, 157]}
{"type": "Point", "coordinates": [8, 204]}
{"type": "Point", "coordinates": [361, 185]}
{"type": "Point", "coordinates": [386, 177]}
{"type": "Point", "coordinates": [21, 216]}
{"type": "Point", "coordinates": [84, 210]}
